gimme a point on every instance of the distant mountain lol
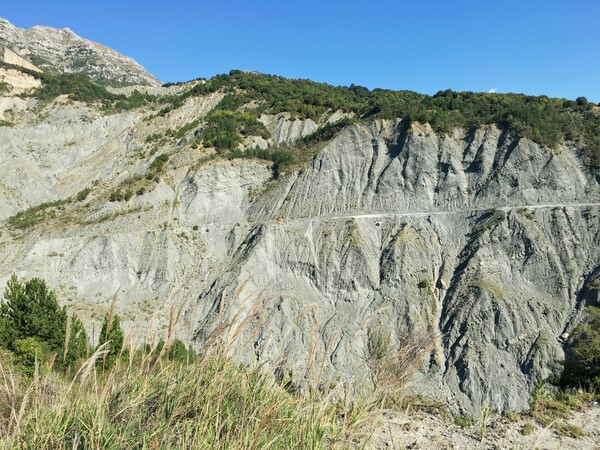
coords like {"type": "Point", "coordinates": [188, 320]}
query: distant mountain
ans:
{"type": "Point", "coordinates": [62, 51]}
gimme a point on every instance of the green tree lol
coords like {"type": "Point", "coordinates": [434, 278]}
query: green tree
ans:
{"type": "Point", "coordinates": [111, 333]}
{"type": "Point", "coordinates": [33, 325]}
{"type": "Point", "coordinates": [27, 352]}
{"type": "Point", "coordinates": [582, 366]}
{"type": "Point", "coordinates": [31, 310]}
{"type": "Point", "coordinates": [76, 347]}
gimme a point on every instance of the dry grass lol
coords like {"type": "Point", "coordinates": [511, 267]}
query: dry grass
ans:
{"type": "Point", "coordinates": [552, 409]}
{"type": "Point", "coordinates": [148, 401]}
{"type": "Point", "coordinates": [149, 404]}
{"type": "Point", "coordinates": [393, 360]}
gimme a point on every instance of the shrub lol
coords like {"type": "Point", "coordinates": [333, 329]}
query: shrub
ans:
{"type": "Point", "coordinates": [327, 132]}
{"type": "Point", "coordinates": [224, 128]}
{"type": "Point", "coordinates": [463, 421]}
{"type": "Point", "coordinates": [83, 194]}
{"type": "Point", "coordinates": [424, 284]}
{"type": "Point", "coordinates": [158, 165]}
{"type": "Point", "coordinates": [582, 365]}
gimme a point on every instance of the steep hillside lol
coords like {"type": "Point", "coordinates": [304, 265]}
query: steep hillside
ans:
{"type": "Point", "coordinates": [62, 51]}
{"type": "Point", "coordinates": [312, 217]}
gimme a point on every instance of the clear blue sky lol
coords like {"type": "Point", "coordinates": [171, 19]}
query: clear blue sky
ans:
{"type": "Point", "coordinates": [537, 47]}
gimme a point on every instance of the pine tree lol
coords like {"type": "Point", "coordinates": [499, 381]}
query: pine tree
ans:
{"type": "Point", "coordinates": [31, 310]}
{"type": "Point", "coordinates": [76, 347]}
{"type": "Point", "coordinates": [33, 325]}
{"type": "Point", "coordinates": [113, 334]}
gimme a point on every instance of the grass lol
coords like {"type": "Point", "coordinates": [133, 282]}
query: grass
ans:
{"type": "Point", "coordinates": [37, 214]}
{"type": "Point", "coordinates": [393, 360]}
{"type": "Point", "coordinates": [151, 402]}
{"type": "Point", "coordinates": [553, 408]}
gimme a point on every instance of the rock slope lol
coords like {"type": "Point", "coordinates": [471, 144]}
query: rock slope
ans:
{"type": "Point", "coordinates": [486, 240]}
{"type": "Point", "coordinates": [62, 51]}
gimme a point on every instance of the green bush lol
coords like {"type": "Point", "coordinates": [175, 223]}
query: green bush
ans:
{"type": "Point", "coordinates": [327, 131]}
{"type": "Point", "coordinates": [582, 365]}
{"type": "Point", "coordinates": [424, 284]}
{"type": "Point", "coordinates": [4, 87]}
{"type": "Point", "coordinates": [280, 158]}
{"type": "Point", "coordinates": [83, 194]}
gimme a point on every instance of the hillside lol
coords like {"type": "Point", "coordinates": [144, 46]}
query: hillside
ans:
{"type": "Point", "coordinates": [314, 217]}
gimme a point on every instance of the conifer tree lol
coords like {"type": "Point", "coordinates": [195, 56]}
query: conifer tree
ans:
{"type": "Point", "coordinates": [113, 334]}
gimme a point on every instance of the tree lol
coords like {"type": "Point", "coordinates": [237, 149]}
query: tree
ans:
{"type": "Point", "coordinates": [582, 366]}
{"type": "Point", "coordinates": [111, 333]}
{"type": "Point", "coordinates": [32, 323]}
{"type": "Point", "coordinates": [31, 310]}
{"type": "Point", "coordinates": [76, 347]}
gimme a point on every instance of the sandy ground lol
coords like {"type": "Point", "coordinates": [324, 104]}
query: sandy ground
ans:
{"type": "Point", "coordinates": [420, 430]}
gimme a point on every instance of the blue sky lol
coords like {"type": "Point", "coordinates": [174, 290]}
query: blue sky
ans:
{"type": "Point", "coordinates": [536, 47]}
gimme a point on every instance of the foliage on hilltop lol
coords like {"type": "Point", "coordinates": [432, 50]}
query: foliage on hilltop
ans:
{"type": "Point", "coordinates": [546, 121]}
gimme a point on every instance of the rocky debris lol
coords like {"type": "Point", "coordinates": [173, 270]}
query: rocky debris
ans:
{"type": "Point", "coordinates": [62, 51]}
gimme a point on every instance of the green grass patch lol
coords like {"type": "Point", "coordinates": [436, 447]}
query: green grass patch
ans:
{"type": "Point", "coordinates": [36, 214]}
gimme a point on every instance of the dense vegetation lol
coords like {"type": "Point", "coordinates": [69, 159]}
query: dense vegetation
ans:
{"type": "Point", "coordinates": [79, 87]}
{"type": "Point", "coordinates": [225, 128]}
{"type": "Point", "coordinates": [547, 121]}
{"type": "Point", "coordinates": [544, 120]}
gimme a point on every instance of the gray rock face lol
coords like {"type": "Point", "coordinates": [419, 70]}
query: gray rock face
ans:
{"type": "Point", "coordinates": [504, 233]}
{"type": "Point", "coordinates": [62, 51]}
{"type": "Point", "coordinates": [486, 240]}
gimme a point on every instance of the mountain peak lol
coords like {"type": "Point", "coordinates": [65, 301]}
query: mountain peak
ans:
{"type": "Point", "coordinates": [60, 50]}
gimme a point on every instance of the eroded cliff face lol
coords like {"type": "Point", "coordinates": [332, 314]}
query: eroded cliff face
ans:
{"type": "Point", "coordinates": [488, 240]}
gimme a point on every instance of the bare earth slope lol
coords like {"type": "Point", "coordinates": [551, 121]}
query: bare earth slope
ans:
{"type": "Point", "coordinates": [504, 232]}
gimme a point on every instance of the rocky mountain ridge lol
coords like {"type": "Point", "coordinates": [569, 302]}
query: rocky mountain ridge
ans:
{"type": "Point", "coordinates": [62, 51]}
{"type": "Point", "coordinates": [486, 239]}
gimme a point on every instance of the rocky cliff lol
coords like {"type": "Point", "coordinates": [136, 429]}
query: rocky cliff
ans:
{"type": "Point", "coordinates": [484, 238]}
{"type": "Point", "coordinates": [62, 51]}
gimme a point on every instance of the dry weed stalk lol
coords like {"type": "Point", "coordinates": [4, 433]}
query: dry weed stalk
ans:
{"type": "Point", "coordinates": [392, 362]}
